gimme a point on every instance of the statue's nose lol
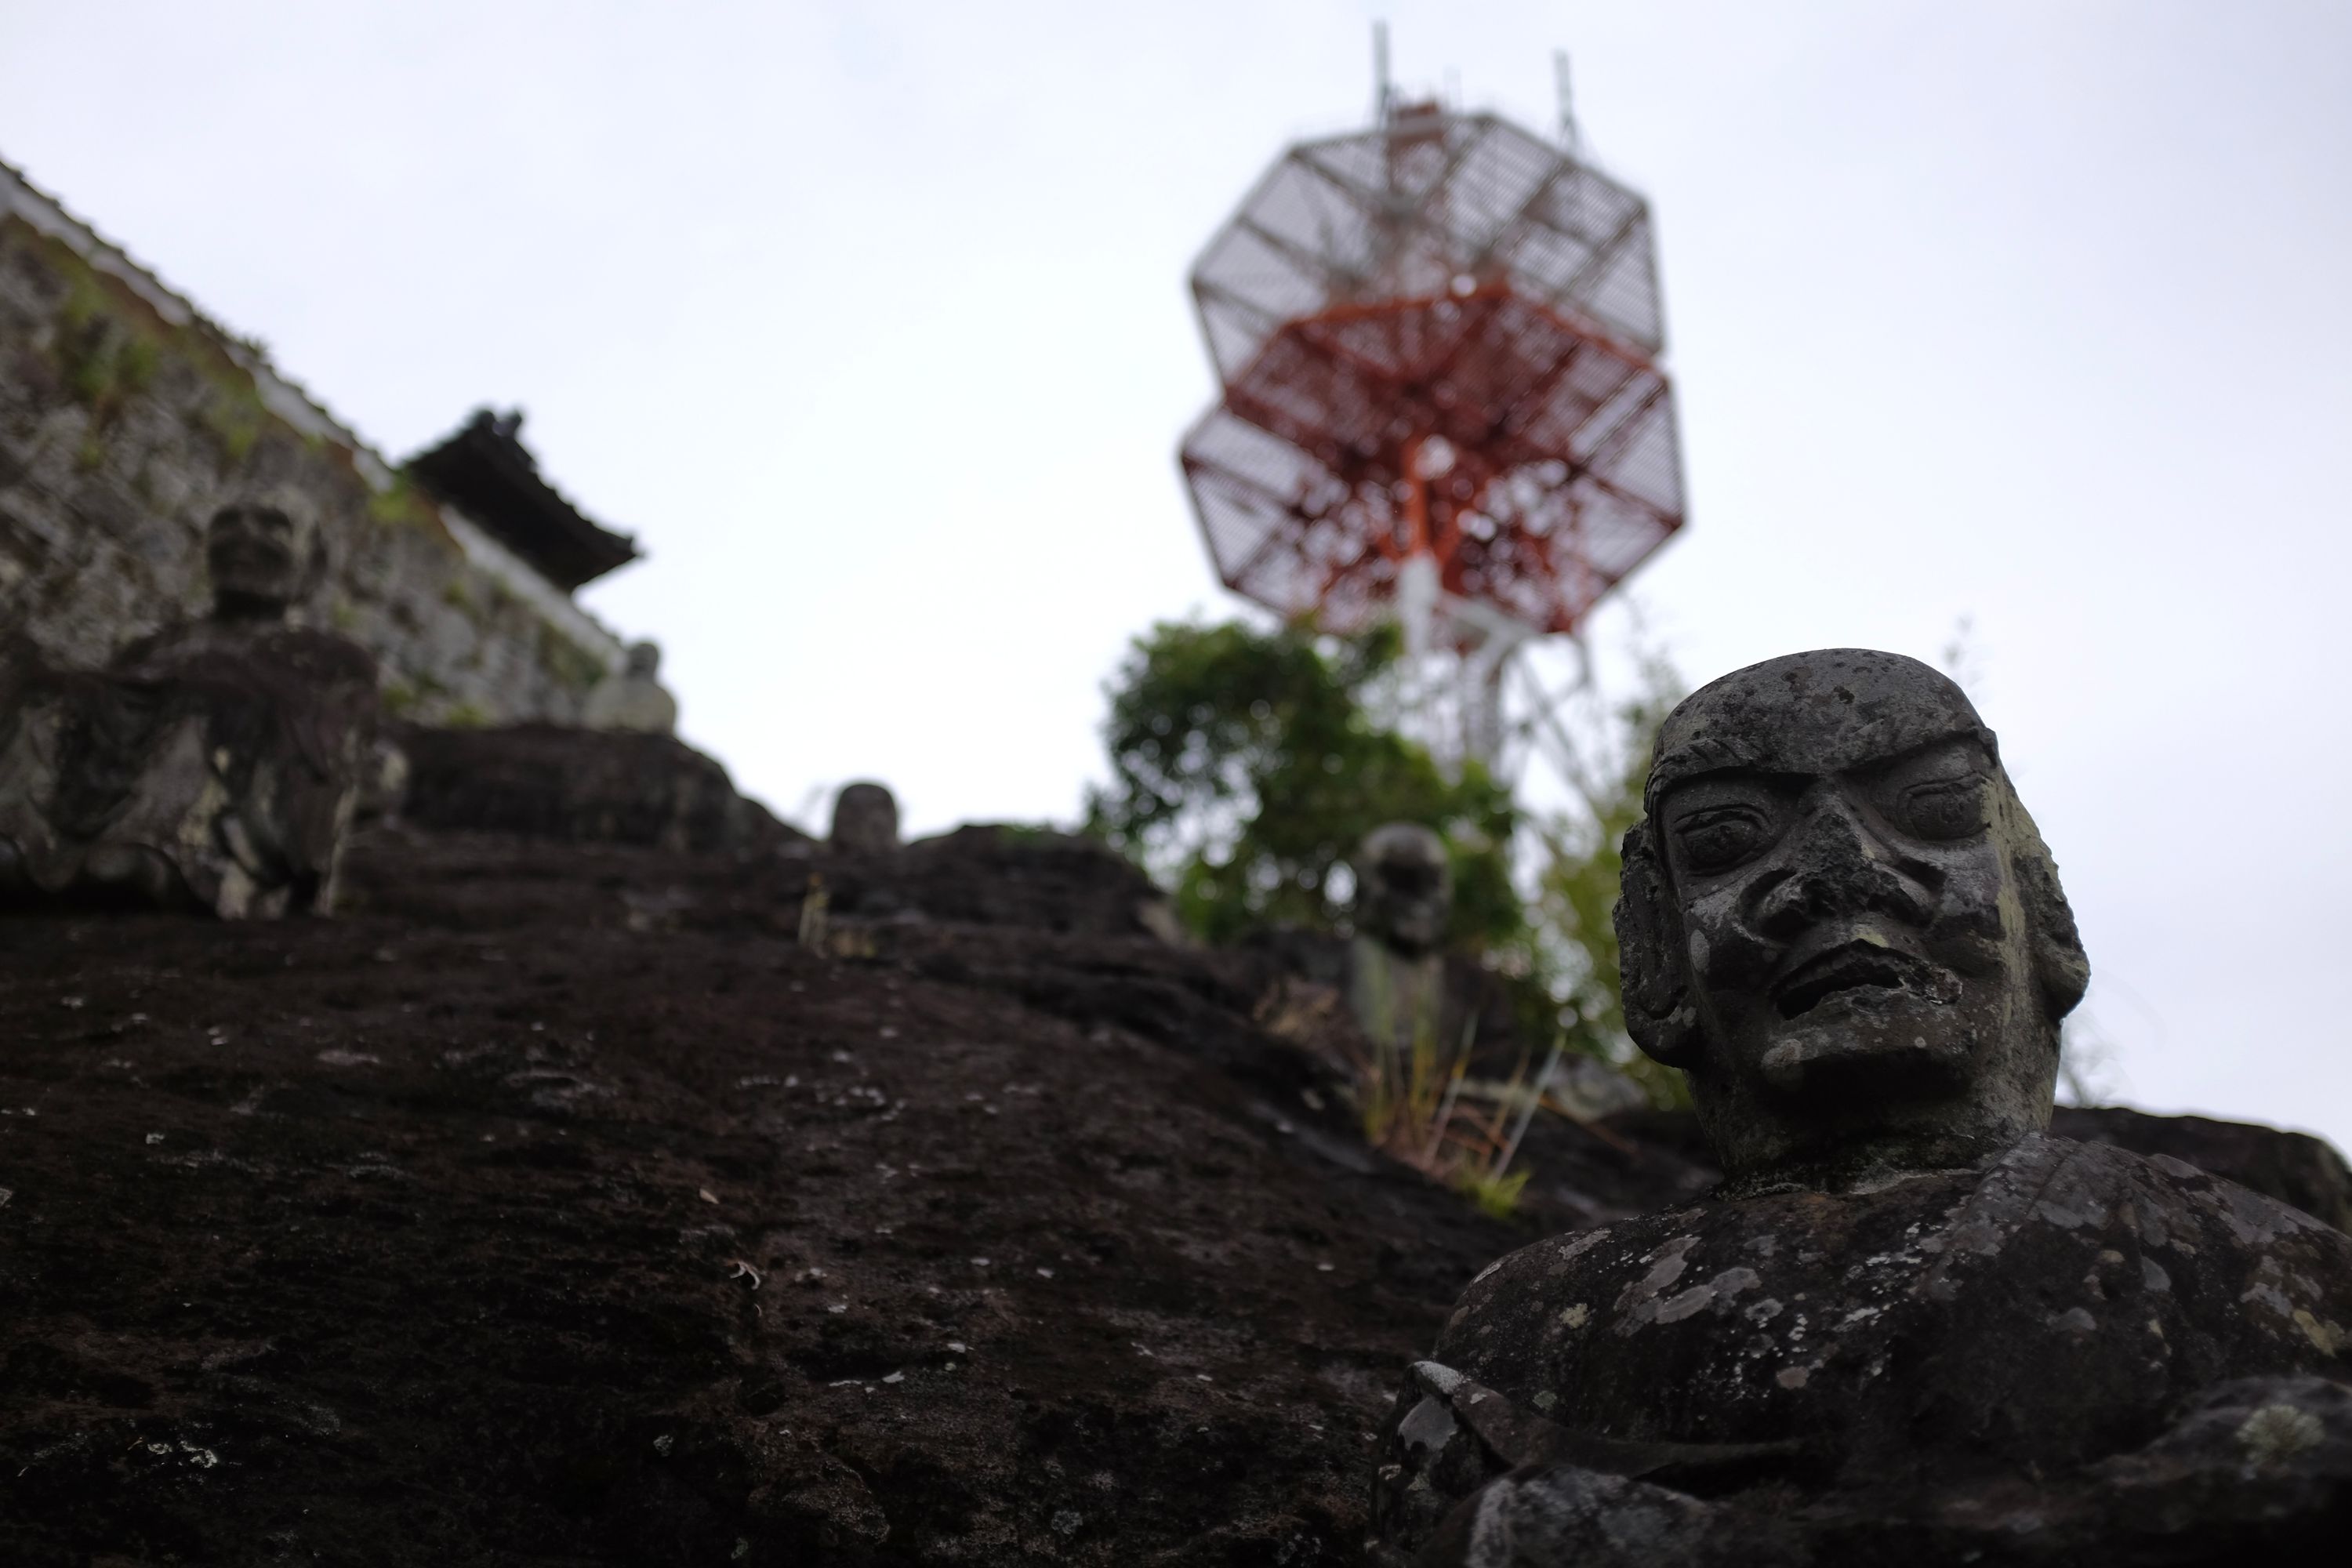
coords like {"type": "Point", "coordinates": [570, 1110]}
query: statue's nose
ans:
{"type": "Point", "coordinates": [1839, 865]}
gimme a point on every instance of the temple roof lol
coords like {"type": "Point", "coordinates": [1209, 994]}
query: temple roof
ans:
{"type": "Point", "coordinates": [486, 472]}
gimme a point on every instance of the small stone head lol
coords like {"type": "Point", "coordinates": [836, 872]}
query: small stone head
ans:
{"type": "Point", "coordinates": [262, 554]}
{"type": "Point", "coordinates": [1838, 920]}
{"type": "Point", "coordinates": [865, 819]}
{"type": "Point", "coordinates": [643, 660]}
{"type": "Point", "coordinates": [1404, 888]}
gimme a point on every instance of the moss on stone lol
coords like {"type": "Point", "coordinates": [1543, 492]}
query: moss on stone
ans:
{"type": "Point", "coordinates": [111, 345]}
{"type": "Point", "coordinates": [400, 505]}
{"type": "Point", "coordinates": [169, 408]}
{"type": "Point", "coordinates": [570, 665]}
{"type": "Point", "coordinates": [105, 364]}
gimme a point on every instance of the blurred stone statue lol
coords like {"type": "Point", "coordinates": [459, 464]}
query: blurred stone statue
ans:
{"type": "Point", "coordinates": [213, 765]}
{"type": "Point", "coordinates": [1911, 1325]}
{"type": "Point", "coordinates": [865, 819]}
{"type": "Point", "coordinates": [384, 782]}
{"type": "Point", "coordinates": [635, 698]}
{"type": "Point", "coordinates": [1396, 968]}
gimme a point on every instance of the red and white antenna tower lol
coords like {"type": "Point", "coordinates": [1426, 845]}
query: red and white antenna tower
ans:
{"type": "Point", "coordinates": [1437, 341]}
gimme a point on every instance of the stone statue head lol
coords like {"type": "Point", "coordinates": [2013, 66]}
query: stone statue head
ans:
{"type": "Point", "coordinates": [1838, 918]}
{"type": "Point", "coordinates": [865, 819]}
{"type": "Point", "coordinates": [643, 660]}
{"type": "Point", "coordinates": [1404, 888]}
{"type": "Point", "coordinates": [262, 554]}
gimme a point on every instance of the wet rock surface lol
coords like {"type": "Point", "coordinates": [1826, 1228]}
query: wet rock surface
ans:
{"type": "Point", "coordinates": [554, 1204]}
{"type": "Point", "coordinates": [2254, 1472]}
{"type": "Point", "coordinates": [2295, 1168]}
{"type": "Point", "coordinates": [603, 788]}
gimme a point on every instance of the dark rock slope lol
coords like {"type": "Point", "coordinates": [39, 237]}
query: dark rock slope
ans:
{"type": "Point", "coordinates": [557, 1205]}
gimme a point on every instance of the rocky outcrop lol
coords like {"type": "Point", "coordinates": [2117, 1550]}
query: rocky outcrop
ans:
{"type": "Point", "coordinates": [555, 1202]}
{"type": "Point", "coordinates": [579, 785]}
{"type": "Point", "coordinates": [2295, 1168]}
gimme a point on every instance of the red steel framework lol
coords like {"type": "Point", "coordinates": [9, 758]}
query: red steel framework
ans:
{"type": "Point", "coordinates": [1437, 341]}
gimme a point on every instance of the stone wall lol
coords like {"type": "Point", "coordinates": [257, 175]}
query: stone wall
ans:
{"type": "Point", "coordinates": [126, 419]}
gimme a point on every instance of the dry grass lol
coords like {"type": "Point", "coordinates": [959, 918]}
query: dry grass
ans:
{"type": "Point", "coordinates": [1419, 1106]}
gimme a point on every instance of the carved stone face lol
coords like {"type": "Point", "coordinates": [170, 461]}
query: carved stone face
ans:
{"type": "Point", "coordinates": [1840, 920]}
{"type": "Point", "coordinates": [866, 819]}
{"type": "Point", "coordinates": [643, 660]}
{"type": "Point", "coordinates": [258, 556]}
{"type": "Point", "coordinates": [1404, 886]}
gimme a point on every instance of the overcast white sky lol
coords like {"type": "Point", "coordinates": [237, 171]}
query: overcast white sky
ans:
{"type": "Point", "coordinates": [870, 319]}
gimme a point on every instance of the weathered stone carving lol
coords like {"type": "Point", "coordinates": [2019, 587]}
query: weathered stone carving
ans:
{"type": "Point", "coordinates": [633, 699]}
{"type": "Point", "coordinates": [1404, 888]}
{"type": "Point", "coordinates": [865, 819]}
{"type": "Point", "coordinates": [1911, 1322]}
{"type": "Point", "coordinates": [212, 766]}
{"type": "Point", "coordinates": [1396, 972]}
{"type": "Point", "coordinates": [1838, 918]}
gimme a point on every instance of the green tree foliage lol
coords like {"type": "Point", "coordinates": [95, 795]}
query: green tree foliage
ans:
{"type": "Point", "coordinates": [1573, 923]}
{"type": "Point", "coordinates": [1246, 765]}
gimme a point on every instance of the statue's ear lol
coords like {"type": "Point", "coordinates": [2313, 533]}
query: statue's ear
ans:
{"type": "Point", "coordinates": [2060, 964]}
{"type": "Point", "coordinates": [1658, 1011]}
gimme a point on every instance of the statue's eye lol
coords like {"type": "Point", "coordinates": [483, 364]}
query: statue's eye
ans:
{"type": "Point", "coordinates": [1946, 808]}
{"type": "Point", "coordinates": [1720, 838]}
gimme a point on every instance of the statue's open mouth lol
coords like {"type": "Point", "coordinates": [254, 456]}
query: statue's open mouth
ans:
{"type": "Point", "coordinates": [1849, 966]}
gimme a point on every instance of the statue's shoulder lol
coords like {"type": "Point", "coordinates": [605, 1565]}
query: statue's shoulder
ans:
{"type": "Point", "coordinates": [2071, 1183]}
{"type": "Point", "coordinates": [1519, 1294]}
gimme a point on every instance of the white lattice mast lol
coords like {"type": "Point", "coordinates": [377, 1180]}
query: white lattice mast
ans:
{"type": "Point", "coordinates": [1440, 402]}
